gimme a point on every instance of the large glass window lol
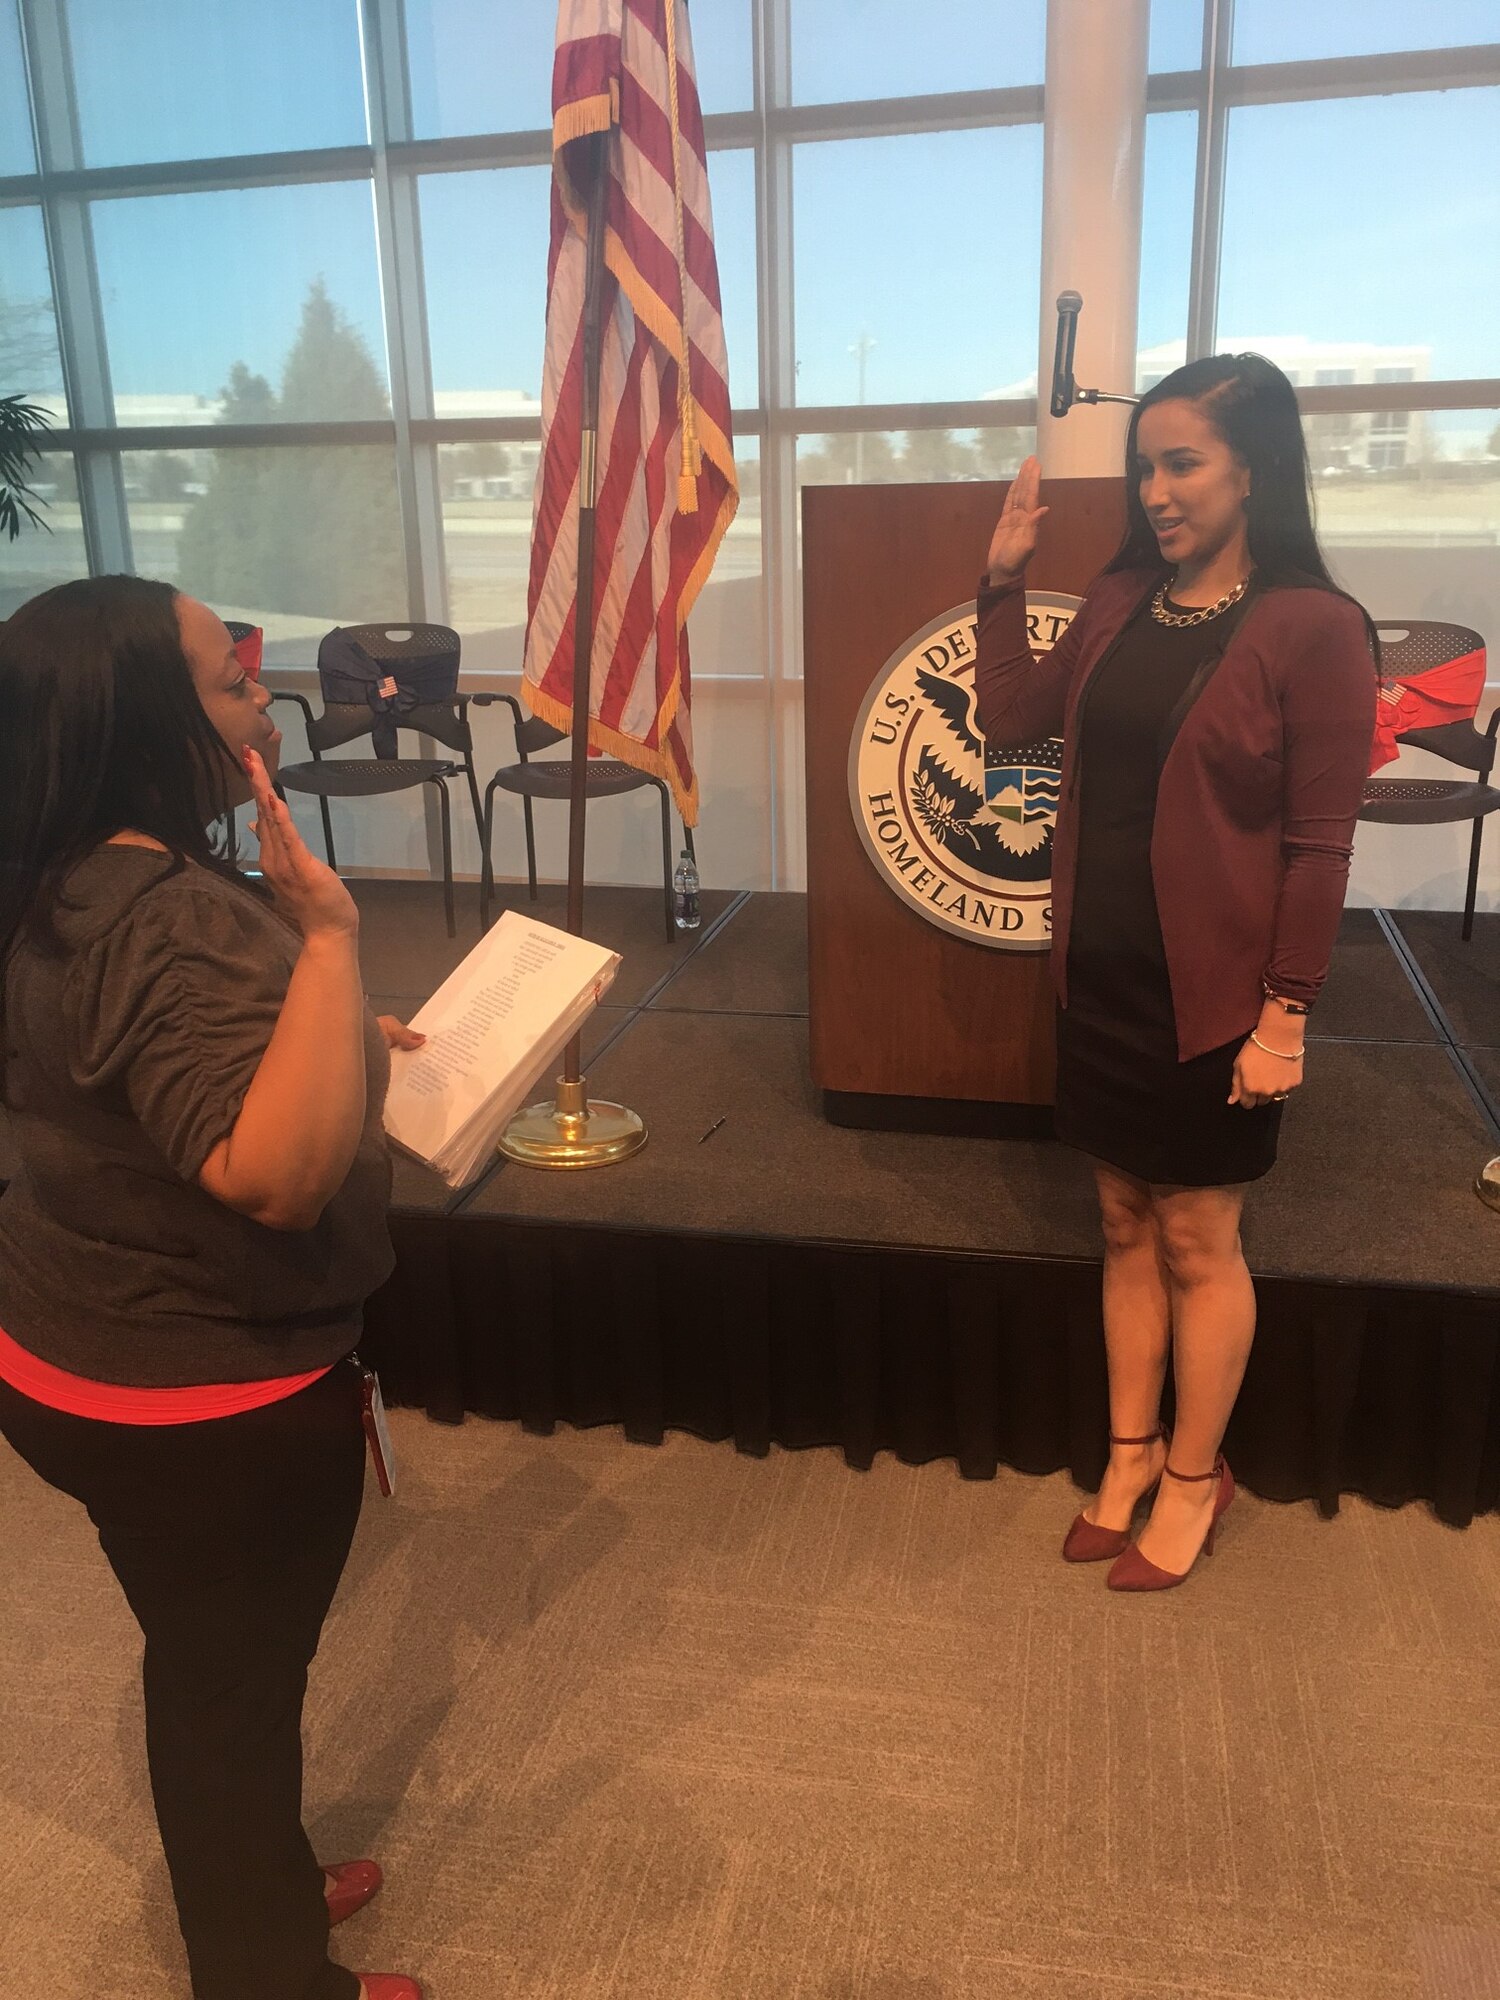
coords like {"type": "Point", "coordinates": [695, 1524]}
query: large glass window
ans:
{"type": "Point", "coordinates": [731, 182]}
{"type": "Point", "coordinates": [1355, 251]}
{"type": "Point", "coordinates": [1359, 232]}
{"type": "Point", "coordinates": [484, 255]}
{"type": "Point", "coordinates": [901, 295]}
{"type": "Point", "coordinates": [292, 538]}
{"type": "Point", "coordinates": [723, 52]}
{"type": "Point", "coordinates": [476, 67]}
{"type": "Point", "coordinates": [1166, 241]}
{"type": "Point", "coordinates": [486, 496]}
{"type": "Point", "coordinates": [479, 67]}
{"type": "Point", "coordinates": [1409, 511]}
{"type": "Point", "coordinates": [1176, 34]}
{"type": "Point", "coordinates": [54, 552]}
{"type": "Point", "coordinates": [1292, 31]}
{"type": "Point", "coordinates": [888, 458]}
{"type": "Point", "coordinates": [486, 315]}
{"type": "Point", "coordinates": [255, 305]}
{"type": "Point", "coordinates": [845, 49]}
{"type": "Point", "coordinates": [196, 79]}
{"type": "Point", "coordinates": [17, 154]}
{"type": "Point", "coordinates": [30, 364]}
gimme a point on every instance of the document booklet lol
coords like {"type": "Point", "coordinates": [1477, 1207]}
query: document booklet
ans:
{"type": "Point", "coordinates": [497, 1025]}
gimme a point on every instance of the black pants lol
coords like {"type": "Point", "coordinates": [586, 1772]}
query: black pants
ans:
{"type": "Point", "coordinates": [228, 1538]}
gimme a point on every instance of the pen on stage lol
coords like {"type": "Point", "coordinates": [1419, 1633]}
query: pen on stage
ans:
{"type": "Point", "coordinates": [711, 1130]}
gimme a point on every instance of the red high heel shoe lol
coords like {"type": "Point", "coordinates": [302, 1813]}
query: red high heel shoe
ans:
{"type": "Point", "coordinates": [350, 1886]}
{"type": "Point", "coordinates": [389, 1986]}
{"type": "Point", "coordinates": [1134, 1571]}
{"type": "Point", "coordinates": [1086, 1541]}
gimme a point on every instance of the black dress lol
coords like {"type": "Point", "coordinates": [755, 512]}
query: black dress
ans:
{"type": "Point", "coordinates": [1123, 1097]}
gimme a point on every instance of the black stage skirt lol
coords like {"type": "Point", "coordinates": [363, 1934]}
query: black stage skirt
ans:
{"type": "Point", "coordinates": [1164, 1121]}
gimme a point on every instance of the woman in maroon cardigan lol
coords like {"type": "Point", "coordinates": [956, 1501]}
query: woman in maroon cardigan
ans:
{"type": "Point", "coordinates": [1216, 693]}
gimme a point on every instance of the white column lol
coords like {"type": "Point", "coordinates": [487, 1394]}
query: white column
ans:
{"type": "Point", "coordinates": [1093, 157]}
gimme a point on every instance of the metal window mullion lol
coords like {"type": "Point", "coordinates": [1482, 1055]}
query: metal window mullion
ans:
{"type": "Point", "coordinates": [75, 283]}
{"type": "Point", "coordinates": [1208, 186]}
{"type": "Point", "coordinates": [776, 328]}
{"type": "Point", "coordinates": [398, 236]}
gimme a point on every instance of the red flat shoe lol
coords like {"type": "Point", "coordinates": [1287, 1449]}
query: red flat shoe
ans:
{"type": "Point", "coordinates": [349, 1886]}
{"type": "Point", "coordinates": [1086, 1541]}
{"type": "Point", "coordinates": [1134, 1571]}
{"type": "Point", "coordinates": [389, 1986]}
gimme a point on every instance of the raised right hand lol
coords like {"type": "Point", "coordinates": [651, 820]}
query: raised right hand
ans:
{"type": "Point", "coordinates": [307, 889]}
{"type": "Point", "coordinates": [1013, 543]}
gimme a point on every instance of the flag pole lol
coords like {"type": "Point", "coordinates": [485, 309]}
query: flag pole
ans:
{"type": "Point", "coordinates": [572, 1131]}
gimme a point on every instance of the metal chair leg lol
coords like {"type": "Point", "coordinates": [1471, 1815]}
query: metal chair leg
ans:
{"type": "Point", "coordinates": [445, 826]}
{"type": "Point", "coordinates": [478, 824]}
{"type": "Point", "coordinates": [530, 844]}
{"type": "Point", "coordinates": [666, 859]}
{"type": "Point", "coordinates": [1472, 892]}
{"type": "Point", "coordinates": [328, 832]}
{"type": "Point", "coordinates": [487, 860]}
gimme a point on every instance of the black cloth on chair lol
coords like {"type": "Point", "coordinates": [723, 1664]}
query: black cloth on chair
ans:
{"type": "Point", "coordinates": [354, 667]}
{"type": "Point", "coordinates": [375, 680]}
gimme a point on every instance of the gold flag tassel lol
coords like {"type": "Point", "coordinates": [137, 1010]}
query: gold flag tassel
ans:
{"type": "Point", "coordinates": [687, 409]}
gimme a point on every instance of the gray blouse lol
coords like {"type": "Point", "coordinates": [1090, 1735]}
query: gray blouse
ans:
{"type": "Point", "coordinates": [126, 1061]}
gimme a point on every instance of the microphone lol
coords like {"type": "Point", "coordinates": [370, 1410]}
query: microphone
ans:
{"type": "Point", "coordinates": [1064, 389]}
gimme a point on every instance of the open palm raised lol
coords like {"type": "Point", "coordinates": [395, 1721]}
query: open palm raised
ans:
{"type": "Point", "coordinates": [1013, 543]}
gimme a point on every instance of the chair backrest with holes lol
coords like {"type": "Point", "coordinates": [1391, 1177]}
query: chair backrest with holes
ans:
{"type": "Point", "coordinates": [1431, 683]}
{"type": "Point", "coordinates": [394, 671]}
{"type": "Point", "coordinates": [534, 734]}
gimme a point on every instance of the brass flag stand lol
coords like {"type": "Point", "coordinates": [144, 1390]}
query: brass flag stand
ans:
{"type": "Point", "coordinates": [574, 1131]}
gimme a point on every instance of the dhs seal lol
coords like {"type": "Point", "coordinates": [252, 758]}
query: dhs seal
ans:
{"type": "Point", "coordinates": [961, 832]}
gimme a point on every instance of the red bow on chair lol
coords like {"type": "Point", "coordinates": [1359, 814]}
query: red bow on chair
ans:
{"type": "Point", "coordinates": [247, 652]}
{"type": "Point", "coordinates": [1449, 693]}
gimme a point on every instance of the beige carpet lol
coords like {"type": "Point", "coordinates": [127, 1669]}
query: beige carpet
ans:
{"type": "Point", "coordinates": [679, 1723]}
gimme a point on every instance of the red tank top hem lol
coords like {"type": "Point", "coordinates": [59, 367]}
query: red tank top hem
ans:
{"type": "Point", "coordinates": [115, 1403]}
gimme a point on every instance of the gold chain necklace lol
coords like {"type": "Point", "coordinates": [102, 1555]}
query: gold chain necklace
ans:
{"type": "Point", "coordinates": [1202, 613]}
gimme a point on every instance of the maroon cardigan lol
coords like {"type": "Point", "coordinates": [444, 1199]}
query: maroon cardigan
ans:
{"type": "Point", "coordinates": [1261, 781]}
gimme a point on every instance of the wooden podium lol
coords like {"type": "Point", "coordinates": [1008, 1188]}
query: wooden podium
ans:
{"type": "Point", "coordinates": [914, 1027]}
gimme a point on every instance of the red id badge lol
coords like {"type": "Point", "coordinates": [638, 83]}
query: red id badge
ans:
{"type": "Point", "coordinates": [377, 1433]}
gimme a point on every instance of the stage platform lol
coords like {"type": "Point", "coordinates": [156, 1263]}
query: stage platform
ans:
{"type": "Point", "coordinates": [760, 1274]}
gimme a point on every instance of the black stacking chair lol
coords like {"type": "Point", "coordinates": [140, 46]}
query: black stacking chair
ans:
{"type": "Point", "coordinates": [1407, 652]}
{"type": "Point", "coordinates": [552, 778]}
{"type": "Point", "coordinates": [372, 777]}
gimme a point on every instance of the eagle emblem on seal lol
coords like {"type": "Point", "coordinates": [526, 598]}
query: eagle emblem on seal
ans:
{"type": "Point", "coordinates": [992, 809]}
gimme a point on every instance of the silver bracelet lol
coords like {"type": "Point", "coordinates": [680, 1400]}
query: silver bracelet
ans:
{"type": "Point", "coordinates": [1297, 1057]}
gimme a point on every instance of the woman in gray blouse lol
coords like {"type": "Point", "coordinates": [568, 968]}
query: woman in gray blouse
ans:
{"type": "Point", "coordinates": [194, 1084]}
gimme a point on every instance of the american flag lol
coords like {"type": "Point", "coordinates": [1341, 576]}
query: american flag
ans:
{"type": "Point", "coordinates": [666, 486]}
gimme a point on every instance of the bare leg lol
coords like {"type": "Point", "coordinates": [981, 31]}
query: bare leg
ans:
{"type": "Point", "coordinates": [1137, 1334]}
{"type": "Point", "coordinates": [1213, 1324]}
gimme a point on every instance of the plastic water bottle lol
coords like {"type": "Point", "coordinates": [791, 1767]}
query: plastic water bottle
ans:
{"type": "Point", "coordinates": [685, 893]}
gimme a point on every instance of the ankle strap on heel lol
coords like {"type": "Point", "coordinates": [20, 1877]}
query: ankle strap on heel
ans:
{"type": "Point", "coordinates": [1192, 1478]}
{"type": "Point", "coordinates": [1149, 1438]}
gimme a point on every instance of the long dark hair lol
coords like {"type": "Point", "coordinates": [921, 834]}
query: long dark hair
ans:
{"type": "Point", "coordinates": [101, 732]}
{"type": "Point", "coordinates": [1253, 407]}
